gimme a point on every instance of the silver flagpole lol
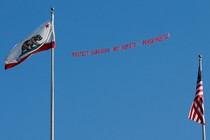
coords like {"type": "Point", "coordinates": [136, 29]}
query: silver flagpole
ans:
{"type": "Point", "coordinates": [203, 125]}
{"type": "Point", "coordinates": [52, 83]}
{"type": "Point", "coordinates": [204, 132]}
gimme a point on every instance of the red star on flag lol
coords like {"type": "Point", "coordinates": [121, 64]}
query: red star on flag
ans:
{"type": "Point", "coordinates": [47, 26]}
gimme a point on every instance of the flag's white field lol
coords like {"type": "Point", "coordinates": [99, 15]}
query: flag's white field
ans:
{"type": "Point", "coordinates": [41, 39]}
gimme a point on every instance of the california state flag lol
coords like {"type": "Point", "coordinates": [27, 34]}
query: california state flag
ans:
{"type": "Point", "coordinates": [43, 38]}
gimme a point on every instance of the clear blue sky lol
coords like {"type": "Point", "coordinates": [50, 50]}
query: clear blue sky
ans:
{"type": "Point", "coordinates": [143, 93]}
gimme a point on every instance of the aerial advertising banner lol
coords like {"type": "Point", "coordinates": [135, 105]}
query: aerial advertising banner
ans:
{"type": "Point", "coordinates": [120, 47]}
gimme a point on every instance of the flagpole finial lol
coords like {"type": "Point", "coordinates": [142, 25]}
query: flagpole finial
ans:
{"type": "Point", "coordinates": [52, 9]}
{"type": "Point", "coordinates": [200, 57]}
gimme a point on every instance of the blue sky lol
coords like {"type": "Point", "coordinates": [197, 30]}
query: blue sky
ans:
{"type": "Point", "coordinates": [141, 93]}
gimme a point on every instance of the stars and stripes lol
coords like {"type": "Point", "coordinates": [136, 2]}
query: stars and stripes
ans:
{"type": "Point", "coordinates": [197, 109]}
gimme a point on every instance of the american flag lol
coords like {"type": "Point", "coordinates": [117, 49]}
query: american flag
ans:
{"type": "Point", "coordinates": [197, 109]}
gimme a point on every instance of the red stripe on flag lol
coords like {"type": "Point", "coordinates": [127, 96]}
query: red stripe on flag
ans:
{"type": "Point", "coordinates": [197, 109]}
{"type": "Point", "coordinates": [43, 48]}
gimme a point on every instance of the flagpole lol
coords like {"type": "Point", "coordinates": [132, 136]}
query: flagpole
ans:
{"type": "Point", "coordinates": [204, 132]}
{"type": "Point", "coordinates": [203, 125]}
{"type": "Point", "coordinates": [52, 84]}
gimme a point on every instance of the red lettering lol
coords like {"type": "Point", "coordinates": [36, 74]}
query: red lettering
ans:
{"type": "Point", "coordinates": [83, 53]}
{"type": "Point", "coordinates": [144, 42]}
{"type": "Point", "coordinates": [75, 54]}
{"type": "Point", "coordinates": [128, 46]}
{"type": "Point", "coordinates": [116, 48]}
{"type": "Point", "coordinates": [134, 44]}
{"type": "Point", "coordinates": [148, 42]}
{"type": "Point", "coordinates": [93, 52]}
{"type": "Point", "coordinates": [105, 50]}
{"type": "Point", "coordinates": [157, 39]}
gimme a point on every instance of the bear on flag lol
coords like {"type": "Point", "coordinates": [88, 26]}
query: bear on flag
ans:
{"type": "Point", "coordinates": [43, 38]}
